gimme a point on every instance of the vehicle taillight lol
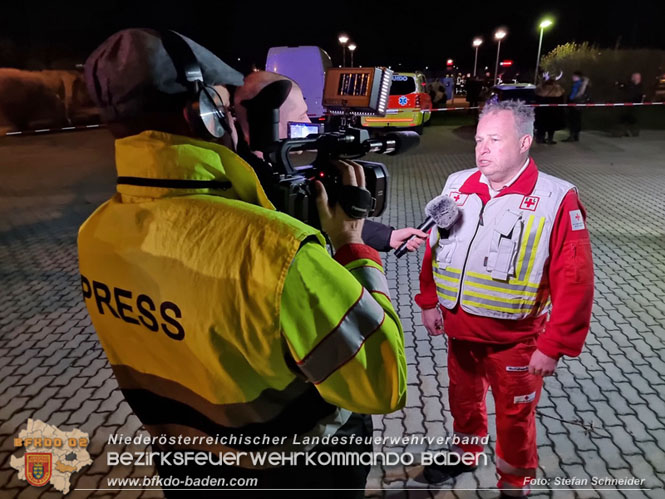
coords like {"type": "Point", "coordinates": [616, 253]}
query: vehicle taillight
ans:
{"type": "Point", "coordinates": [417, 100]}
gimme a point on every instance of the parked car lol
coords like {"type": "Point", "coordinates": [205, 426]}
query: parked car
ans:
{"type": "Point", "coordinates": [409, 104]}
{"type": "Point", "coordinates": [514, 91]}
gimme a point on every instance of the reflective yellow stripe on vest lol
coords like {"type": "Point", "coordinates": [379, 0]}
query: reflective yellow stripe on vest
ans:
{"type": "Point", "coordinates": [483, 291]}
{"type": "Point", "coordinates": [447, 281]}
{"type": "Point", "coordinates": [527, 254]}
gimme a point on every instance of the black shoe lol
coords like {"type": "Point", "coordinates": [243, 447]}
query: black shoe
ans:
{"type": "Point", "coordinates": [571, 139]}
{"type": "Point", "coordinates": [438, 473]}
{"type": "Point", "coordinates": [550, 141]}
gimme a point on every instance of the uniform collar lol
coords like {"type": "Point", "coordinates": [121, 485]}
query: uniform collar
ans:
{"type": "Point", "coordinates": [157, 156]}
{"type": "Point", "coordinates": [523, 184]}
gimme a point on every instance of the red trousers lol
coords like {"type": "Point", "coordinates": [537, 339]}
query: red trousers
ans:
{"type": "Point", "coordinates": [472, 369]}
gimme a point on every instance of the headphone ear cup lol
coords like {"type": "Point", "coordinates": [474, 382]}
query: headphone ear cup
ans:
{"type": "Point", "coordinates": [193, 117]}
{"type": "Point", "coordinates": [211, 112]}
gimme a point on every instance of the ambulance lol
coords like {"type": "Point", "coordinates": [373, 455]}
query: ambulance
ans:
{"type": "Point", "coordinates": [409, 104]}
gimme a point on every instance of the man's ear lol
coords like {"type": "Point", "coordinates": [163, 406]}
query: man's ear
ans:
{"type": "Point", "coordinates": [525, 143]}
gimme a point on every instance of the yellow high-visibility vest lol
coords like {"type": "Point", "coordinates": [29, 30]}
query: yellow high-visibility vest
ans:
{"type": "Point", "coordinates": [183, 276]}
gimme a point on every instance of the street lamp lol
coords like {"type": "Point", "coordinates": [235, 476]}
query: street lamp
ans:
{"type": "Point", "coordinates": [546, 23]}
{"type": "Point", "coordinates": [476, 43]}
{"type": "Point", "coordinates": [343, 39]}
{"type": "Point", "coordinates": [352, 49]}
{"type": "Point", "coordinates": [499, 35]}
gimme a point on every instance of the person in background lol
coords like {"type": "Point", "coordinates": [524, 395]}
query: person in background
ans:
{"type": "Point", "coordinates": [579, 94]}
{"type": "Point", "coordinates": [549, 119]}
{"type": "Point", "coordinates": [474, 87]}
{"type": "Point", "coordinates": [437, 93]}
{"type": "Point", "coordinates": [633, 92]}
{"type": "Point", "coordinates": [449, 85]}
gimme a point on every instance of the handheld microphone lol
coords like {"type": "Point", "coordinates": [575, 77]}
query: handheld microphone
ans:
{"type": "Point", "coordinates": [441, 211]}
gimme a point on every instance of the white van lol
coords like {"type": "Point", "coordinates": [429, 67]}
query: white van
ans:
{"type": "Point", "coordinates": [306, 65]}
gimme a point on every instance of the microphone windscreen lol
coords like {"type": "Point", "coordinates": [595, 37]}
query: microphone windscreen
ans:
{"type": "Point", "coordinates": [443, 211]}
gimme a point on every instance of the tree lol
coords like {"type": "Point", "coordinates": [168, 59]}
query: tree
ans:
{"type": "Point", "coordinates": [605, 67]}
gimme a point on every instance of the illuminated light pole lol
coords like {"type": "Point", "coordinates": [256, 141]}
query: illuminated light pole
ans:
{"type": "Point", "coordinates": [477, 42]}
{"type": "Point", "coordinates": [343, 39]}
{"type": "Point", "coordinates": [499, 35]}
{"type": "Point", "coordinates": [546, 23]}
{"type": "Point", "coordinates": [352, 49]}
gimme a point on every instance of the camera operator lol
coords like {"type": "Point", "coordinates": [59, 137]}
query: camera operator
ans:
{"type": "Point", "coordinates": [220, 316]}
{"type": "Point", "coordinates": [377, 235]}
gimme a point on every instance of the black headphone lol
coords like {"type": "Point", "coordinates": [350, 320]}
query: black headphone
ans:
{"type": "Point", "coordinates": [204, 108]}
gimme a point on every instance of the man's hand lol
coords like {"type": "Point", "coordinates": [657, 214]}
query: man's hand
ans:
{"type": "Point", "coordinates": [398, 236]}
{"type": "Point", "coordinates": [541, 364]}
{"type": "Point", "coordinates": [433, 321]}
{"type": "Point", "coordinates": [341, 228]}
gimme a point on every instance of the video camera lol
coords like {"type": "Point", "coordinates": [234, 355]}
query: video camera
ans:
{"type": "Point", "coordinates": [348, 93]}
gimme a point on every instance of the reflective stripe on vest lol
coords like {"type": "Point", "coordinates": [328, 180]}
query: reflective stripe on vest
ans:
{"type": "Point", "coordinates": [371, 276]}
{"type": "Point", "coordinates": [497, 265]}
{"type": "Point", "coordinates": [344, 341]}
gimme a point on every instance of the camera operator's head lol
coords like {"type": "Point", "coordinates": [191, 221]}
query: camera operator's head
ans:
{"type": "Point", "coordinates": [294, 107]}
{"type": "Point", "coordinates": [142, 79]}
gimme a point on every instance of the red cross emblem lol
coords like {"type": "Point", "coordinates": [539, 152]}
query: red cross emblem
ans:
{"type": "Point", "coordinates": [459, 198]}
{"type": "Point", "coordinates": [529, 203]}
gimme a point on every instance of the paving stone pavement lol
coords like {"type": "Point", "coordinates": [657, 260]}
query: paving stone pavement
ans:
{"type": "Point", "coordinates": [601, 415]}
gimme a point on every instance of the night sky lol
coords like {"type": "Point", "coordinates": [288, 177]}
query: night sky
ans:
{"type": "Point", "coordinates": [415, 34]}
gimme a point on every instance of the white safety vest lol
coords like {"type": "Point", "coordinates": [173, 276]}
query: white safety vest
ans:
{"type": "Point", "coordinates": [492, 261]}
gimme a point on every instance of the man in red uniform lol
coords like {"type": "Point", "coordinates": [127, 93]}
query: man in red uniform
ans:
{"type": "Point", "coordinates": [512, 282]}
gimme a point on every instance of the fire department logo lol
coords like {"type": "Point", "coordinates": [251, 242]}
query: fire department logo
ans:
{"type": "Point", "coordinates": [51, 455]}
{"type": "Point", "coordinates": [403, 101]}
{"type": "Point", "coordinates": [38, 468]}
{"type": "Point", "coordinates": [459, 198]}
{"type": "Point", "coordinates": [529, 203]}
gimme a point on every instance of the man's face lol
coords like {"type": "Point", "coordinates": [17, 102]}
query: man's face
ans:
{"type": "Point", "coordinates": [500, 153]}
{"type": "Point", "coordinates": [636, 78]}
{"type": "Point", "coordinates": [576, 78]}
{"type": "Point", "coordinates": [293, 109]}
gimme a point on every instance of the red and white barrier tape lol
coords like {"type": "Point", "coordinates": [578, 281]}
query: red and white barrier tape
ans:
{"type": "Point", "coordinates": [604, 104]}
{"type": "Point", "coordinates": [52, 130]}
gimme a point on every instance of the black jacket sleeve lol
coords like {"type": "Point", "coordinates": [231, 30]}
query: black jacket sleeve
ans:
{"type": "Point", "coordinates": [377, 235]}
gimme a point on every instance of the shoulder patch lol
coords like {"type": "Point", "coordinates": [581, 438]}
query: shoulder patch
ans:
{"type": "Point", "coordinates": [577, 220]}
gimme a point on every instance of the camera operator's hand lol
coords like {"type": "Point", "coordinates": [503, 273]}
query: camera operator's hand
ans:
{"type": "Point", "coordinates": [341, 228]}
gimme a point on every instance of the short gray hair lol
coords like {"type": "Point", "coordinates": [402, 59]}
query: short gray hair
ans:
{"type": "Point", "coordinates": [523, 113]}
